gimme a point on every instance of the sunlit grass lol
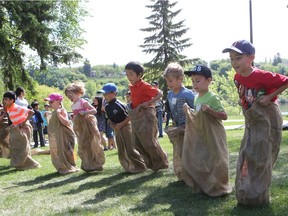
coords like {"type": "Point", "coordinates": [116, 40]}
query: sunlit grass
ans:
{"type": "Point", "coordinates": [112, 192]}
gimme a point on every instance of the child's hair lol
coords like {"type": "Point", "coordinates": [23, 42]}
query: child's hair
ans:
{"type": "Point", "coordinates": [76, 87]}
{"type": "Point", "coordinates": [135, 66]}
{"type": "Point", "coordinates": [18, 91]}
{"type": "Point", "coordinates": [174, 69]}
{"type": "Point", "coordinates": [10, 95]}
{"type": "Point", "coordinates": [99, 106]}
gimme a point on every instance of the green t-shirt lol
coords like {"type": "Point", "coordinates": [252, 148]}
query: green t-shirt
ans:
{"type": "Point", "coordinates": [210, 99]}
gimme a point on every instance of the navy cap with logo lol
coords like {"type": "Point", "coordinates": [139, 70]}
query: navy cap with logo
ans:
{"type": "Point", "coordinates": [109, 87]}
{"type": "Point", "coordinates": [242, 47]}
{"type": "Point", "coordinates": [200, 69]}
{"type": "Point", "coordinates": [155, 83]}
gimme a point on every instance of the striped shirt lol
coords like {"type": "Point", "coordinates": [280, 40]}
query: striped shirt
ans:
{"type": "Point", "coordinates": [17, 114]}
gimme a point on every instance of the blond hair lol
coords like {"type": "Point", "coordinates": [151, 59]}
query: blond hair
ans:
{"type": "Point", "coordinates": [174, 69]}
{"type": "Point", "coordinates": [75, 87]}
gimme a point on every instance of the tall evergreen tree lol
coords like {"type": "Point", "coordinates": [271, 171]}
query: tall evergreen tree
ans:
{"type": "Point", "coordinates": [50, 28]}
{"type": "Point", "coordinates": [166, 40]}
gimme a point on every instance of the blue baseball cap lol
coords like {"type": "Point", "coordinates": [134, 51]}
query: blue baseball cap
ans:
{"type": "Point", "coordinates": [242, 47]}
{"type": "Point", "coordinates": [201, 70]}
{"type": "Point", "coordinates": [109, 87]}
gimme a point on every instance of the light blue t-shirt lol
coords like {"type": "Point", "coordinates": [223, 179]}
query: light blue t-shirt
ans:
{"type": "Point", "coordinates": [176, 102]}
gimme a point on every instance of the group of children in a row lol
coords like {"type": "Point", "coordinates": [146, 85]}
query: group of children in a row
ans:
{"type": "Point", "coordinates": [200, 154]}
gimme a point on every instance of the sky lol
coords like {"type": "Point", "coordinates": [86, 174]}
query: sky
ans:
{"type": "Point", "coordinates": [113, 31]}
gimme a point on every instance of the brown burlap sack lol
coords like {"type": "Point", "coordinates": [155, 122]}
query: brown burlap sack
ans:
{"type": "Point", "coordinates": [20, 152]}
{"type": "Point", "coordinates": [258, 153]}
{"type": "Point", "coordinates": [205, 157]}
{"type": "Point", "coordinates": [176, 137]}
{"type": "Point", "coordinates": [144, 137]}
{"type": "Point", "coordinates": [90, 149]}
{"type": "Point", "coordinates": [129, 157]}
{"type": "Point", "coordinates": [61, 144]}
{"type": "Point", "coordinates": [4, 139]}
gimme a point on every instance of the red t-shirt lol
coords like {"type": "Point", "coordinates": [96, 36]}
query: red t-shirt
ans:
{"type": "Point", "coordinates": [258, 83]}
{"type": "Point", "coordinates": [141, 92]}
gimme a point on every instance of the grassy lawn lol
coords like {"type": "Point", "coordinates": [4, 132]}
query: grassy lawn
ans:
{"type": "Point", "coordinates": [111, 192]}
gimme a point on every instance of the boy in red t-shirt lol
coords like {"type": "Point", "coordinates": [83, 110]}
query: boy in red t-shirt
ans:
{"type": "Point", "coordinates": [143, 118]}
{"type": "Point", "coordinates": [258, 90]}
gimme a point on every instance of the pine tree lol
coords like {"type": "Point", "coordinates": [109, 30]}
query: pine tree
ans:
{"type": "Point", "coordinates": [166, 41]}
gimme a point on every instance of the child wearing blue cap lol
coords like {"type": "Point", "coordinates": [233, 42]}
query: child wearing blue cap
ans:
{"type": "Point", "coordinates": [117, 113]}
{"type": "Point", "coordinates": [205, 158]}
{"type": "Point", "coordinates": [258, 90]}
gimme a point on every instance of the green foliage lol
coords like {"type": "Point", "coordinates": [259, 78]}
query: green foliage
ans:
{"type": "Point", "coordinates": [166, 40]}
{"type": "Point", "coordinates": [57, 77]}
{"type": "Point", "coordinates": [50, 28]}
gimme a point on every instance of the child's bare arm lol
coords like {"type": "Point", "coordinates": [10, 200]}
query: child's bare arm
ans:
{"type": "Point", "coordinates": [118, 126]}
{"type": "Point", "coordinates": [63, 117]}
{"type": "Point", "coordinates": [89, 109]}
{"type": "Point", "coordinates": [266, 99]}
{"type": "Point", "coordinates": [157, 97]}
{"type": "Point", "coordinates": [219, 115]}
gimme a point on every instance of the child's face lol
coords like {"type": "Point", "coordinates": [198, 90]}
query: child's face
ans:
{"type": "Point", "coordinates": [95, 101]}
{"type": "Point", "coordinates": [73, 97]}
{"type": "Point", "coordinates": [200, 83]}
{"type": "Point", "coordinates": [7, 102]}
{"type": "Point", "coordinates": [174, 83]}
{"type": "Point", "coordinates": [132, 76]}
{"type": "Point", "coordinates": [109, 96]}
{"type": "Point", "coordinates": [128, 98]}
{"type": "Point", "coordinates": [241, 63]}
{"type": "Point", "coordinates": [54, 104]}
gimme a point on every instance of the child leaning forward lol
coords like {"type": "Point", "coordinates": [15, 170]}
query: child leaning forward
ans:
{"type": "Point", "coordinates": [117, 113]}
{"type": "Point", "coordinates": [61, 137]}
{"type": "Point", "coordinates": [20, 133]}
{"type": "Point", "coordinates": [143, 118]}
{"type": "Point", "coordinates": [85, 127]}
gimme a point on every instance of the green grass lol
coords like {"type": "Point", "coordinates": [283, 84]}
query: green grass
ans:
{"type": "Point", "coordinates": [111, 192]}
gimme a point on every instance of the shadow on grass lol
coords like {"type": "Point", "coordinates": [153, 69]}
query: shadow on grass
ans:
{"type": "Point", "coordinates": [69, 180]}
{"type": "Point", "coordinates": [121, 189]}
{"type": "Point", "coordinates": [241, 210]}
{"type": "Point", "coordinates": [185, 203]}
{"type": "Point", "coordinates": [98, 184]}
{"type": "Point", "coordinates": [5, 170]}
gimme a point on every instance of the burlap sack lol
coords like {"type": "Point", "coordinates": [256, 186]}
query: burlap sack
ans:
{"type": "Point", "coordinates": [176, 137]}
{"type": "Point", "coordinates": [144, 137]}
{"type": "Point", "coordinates": [61, 144]}
{"type": "Point", "coordinates": [205, 157]}
{"type": "Point", "coordinates": [90, 149]}
{"type": "Point", "coordinates": [4, 139]}
{"type": "Point", "coordinates": [259, 149]}
{"type": "Point", "coordinates": [129, 157]}
{"type": "Point", "coordinates": [20, 152]}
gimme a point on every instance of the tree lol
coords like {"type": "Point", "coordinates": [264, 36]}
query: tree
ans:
{"type": "Point", "coordinates": [166, 41]}
{"type": "Point", "coordinates": [87, 68]}
{"type": "Point", "coordinates": [50, 28]}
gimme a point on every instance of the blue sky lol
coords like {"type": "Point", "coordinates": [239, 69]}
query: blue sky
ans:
{"type": "Point", "coordinates": [113, 34]}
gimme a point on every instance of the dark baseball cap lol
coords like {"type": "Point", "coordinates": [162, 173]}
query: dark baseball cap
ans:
{"type": "Point", "coordinates": [242, 47]}
{"type": "Point", "coordinates": [200, 69]}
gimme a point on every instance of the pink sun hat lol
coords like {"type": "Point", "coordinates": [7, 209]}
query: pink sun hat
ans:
{"type": "Point", "coordinates": [54, 97]}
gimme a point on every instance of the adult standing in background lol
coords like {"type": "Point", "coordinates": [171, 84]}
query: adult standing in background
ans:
{"type": "Point", "coordinates": [38, 123]}
{"type": "Point", "coordinates": [159, 110]}
{"type": "Point", "coordinates": [20, 100]}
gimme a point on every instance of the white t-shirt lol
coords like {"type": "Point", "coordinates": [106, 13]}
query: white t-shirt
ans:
{"type": "Point", "coordinates": [21, 102]}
